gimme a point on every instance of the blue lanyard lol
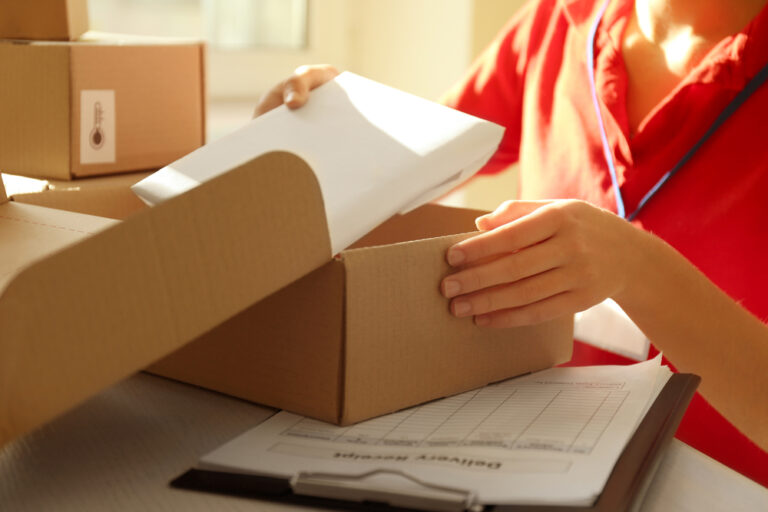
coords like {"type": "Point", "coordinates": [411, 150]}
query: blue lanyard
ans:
{"type": "Point", "coordinates": [745, 93]}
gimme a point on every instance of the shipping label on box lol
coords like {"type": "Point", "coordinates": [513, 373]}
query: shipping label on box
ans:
{"type": "Point", "coordinates": [97, 126]}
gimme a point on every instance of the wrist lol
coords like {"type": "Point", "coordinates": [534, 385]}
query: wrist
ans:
{"type": "Point", "coordinates": [642, 262]}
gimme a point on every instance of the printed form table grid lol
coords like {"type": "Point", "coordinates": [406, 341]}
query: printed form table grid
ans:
{"type": "Point", "coordinates": [507, 415]}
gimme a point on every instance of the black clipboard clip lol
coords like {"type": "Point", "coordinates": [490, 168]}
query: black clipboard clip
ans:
{"type": "Point", "coordinates": [359, 488]}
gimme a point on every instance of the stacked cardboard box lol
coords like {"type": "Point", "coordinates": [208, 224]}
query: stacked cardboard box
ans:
{"type": "Point", "coordinates": [43, 19]}
{"type": "Point", "coordinates": [79, 105]}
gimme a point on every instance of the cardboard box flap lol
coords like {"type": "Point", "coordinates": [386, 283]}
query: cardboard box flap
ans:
{"type": "Point", "coordinates": [115, 302]}
{"type": "Point", "coordinates": [3, 196]}
{"type": "Point", "coordinates": [30, 233]}
{"type": "Point", "coordinates": [373, 340]}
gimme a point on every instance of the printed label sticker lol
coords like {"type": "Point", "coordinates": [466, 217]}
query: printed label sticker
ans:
{"type": "Point", "coordinates": [97, 126]}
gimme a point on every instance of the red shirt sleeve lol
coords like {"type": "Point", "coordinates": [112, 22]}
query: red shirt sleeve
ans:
{"type": "Point", "coordinates": [493, 87]}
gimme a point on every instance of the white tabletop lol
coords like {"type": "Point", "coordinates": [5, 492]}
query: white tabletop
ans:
{"type": "Point", "coordinates": [119, 450]}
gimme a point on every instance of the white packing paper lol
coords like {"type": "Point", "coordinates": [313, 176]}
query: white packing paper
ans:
{"type": "Point", "coordinates": [376, 151]}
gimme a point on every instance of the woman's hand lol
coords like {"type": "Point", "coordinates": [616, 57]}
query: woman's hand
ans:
{"type": "Point", "coordinates": [294, 90]}
{"type": "Point", "coordinates": [538, 260]}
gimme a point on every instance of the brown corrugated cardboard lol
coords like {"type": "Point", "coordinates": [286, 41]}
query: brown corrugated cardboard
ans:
{"type": "Point", "coordinates": [90, 108]}
{"type": "Point", "coordinates": [107, 196]}
{"type": "Point", "coordinates": [26, 230]}
{"type": "Point", "coordinates": [43, 19]}
{"type": "Point", "coordinates": [118, 296]}
{"type": "Point", "coordinates": [116, 301]}
{"type": "Point", "coordinates": [366, 334]}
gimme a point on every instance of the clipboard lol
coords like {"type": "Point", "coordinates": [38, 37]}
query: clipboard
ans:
{"type": "Point", "coordinates": [624, 490]}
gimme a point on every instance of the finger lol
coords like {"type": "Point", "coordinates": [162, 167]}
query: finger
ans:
{"type": "Point", "coordinates": [531, 314]}
{"type": "Point", "coordinates": [507, 212]}
{"type": "Point", "coordinates": [271, 100]}
{"type": "Point", "coordinates": [294, 91]}
{"type": "Point", "coordinates": [304, 79]}
{"type": "Point", "coordinates": [513, 295]}
{"type": "Point", "coordinates": [506, 269]}
{"type": "Point", "coordinates": [518, 234]}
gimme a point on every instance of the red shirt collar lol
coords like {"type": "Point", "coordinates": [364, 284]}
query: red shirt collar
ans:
{"type": "Point", "coordinates": [737, 58]}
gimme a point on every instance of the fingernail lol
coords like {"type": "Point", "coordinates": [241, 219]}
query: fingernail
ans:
{"type": "Point", "coordinates": [289, 97]}
{"type": "Point", "coordinates": [461, 308]}
{"type": "Point", "coordinates": [456, 257]}
{"type": "Point", "coordinates": [451, 288]}
{"type": "Point", "coordinates": [482, 320]}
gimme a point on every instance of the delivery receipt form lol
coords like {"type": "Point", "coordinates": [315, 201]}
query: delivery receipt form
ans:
{"type": "Point", "coordinates": [550, 437]}
{"type": "Point", "coordinates": [511, 416]}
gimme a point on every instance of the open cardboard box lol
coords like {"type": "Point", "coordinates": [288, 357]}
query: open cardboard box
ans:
{"type": "Point", "coordinates": [86, 301]}
{"type": "Point", "coordinates": [367, 333]}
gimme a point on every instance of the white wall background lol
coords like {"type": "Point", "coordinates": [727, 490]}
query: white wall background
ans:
{"type": "Point", "coordinates": [421, 46]}
{"type": "Point", "coordinates": [246, 74]}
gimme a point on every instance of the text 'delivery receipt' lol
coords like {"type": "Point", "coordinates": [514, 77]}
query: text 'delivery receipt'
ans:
{"type": "Point", "coordinates": [552, 437]}
{"type": "Point", "coordinates": [376, 151]}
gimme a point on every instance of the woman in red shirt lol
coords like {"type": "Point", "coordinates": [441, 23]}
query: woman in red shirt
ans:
{"type": "Point", "coordinates": [602, 100]}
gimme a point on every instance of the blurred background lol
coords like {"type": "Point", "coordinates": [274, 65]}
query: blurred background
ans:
{"type": "Point", "coordinates": [420, 46]}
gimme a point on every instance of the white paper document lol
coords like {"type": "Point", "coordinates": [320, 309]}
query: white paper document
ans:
{"type": "Point", "coordinates": [375, 150]}
{"type": "Point", "coordinates": [552, 437]}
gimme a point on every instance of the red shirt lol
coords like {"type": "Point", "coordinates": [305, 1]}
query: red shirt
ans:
{"type": "Point", "coordinates": [533, 81]}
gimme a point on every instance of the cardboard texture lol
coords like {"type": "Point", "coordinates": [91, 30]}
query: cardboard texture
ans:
{"type": "Point", "coordinates": [43, 19]}
{"type": "Point", "coordinates": [356, 336]}
{"type": "Point", "coordinates": [90, 108]}
{"type": "Point", "coordinates": [116, 301]}
{"type": "Point", "coordinates": [108, 196]}
{"type": "Point", "coordinates": [366, 334]}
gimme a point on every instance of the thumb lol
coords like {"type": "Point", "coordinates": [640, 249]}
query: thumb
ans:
{"type": "Point", "coordinates": [507, 212]}
{"type": "Point", "coordinates": [305, 79]}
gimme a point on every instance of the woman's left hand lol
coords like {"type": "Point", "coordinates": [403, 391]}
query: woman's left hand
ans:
{"type": "Point", "coordinates": [537, 260]}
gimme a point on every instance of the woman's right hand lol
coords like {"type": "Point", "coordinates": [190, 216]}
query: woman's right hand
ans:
{"type": "Point", "coordinates": [294, 90]}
